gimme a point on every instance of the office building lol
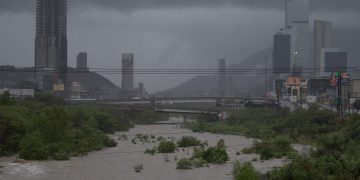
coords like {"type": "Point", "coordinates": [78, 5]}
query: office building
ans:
{"type": "Point", "coordinates": [281, 54]}
{"type": "Point", "coordinates": [81, 61]}
{"type": "Point", "coordinates": [333, 60]}
{"type": "Point", "coordinates": [222, 80]}
{"type": "Point", "coordinates": [51, 41]}
{"type": "Point", "coordinates": [322, 39]}
{"type": "Point", "coordinates": [127, 83]}
{"type": "Point", "coordinates": [17, 93]}
{"type": "Point", "coordinates": [297, 21]}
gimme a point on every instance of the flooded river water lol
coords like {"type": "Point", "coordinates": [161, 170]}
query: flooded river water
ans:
{"type": "Point", "coordinates": [118, 163]}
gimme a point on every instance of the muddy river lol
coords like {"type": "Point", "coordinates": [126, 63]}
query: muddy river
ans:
{"type": "Point", "coordinates": [118, 163]}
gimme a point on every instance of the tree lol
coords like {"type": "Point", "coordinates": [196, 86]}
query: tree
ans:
{"type": "Point", "coordinates": [6, 99]}
{"type": "Point", "coordinates": [357, 105]}
{"type": "Point", "coordinates": [166, 147]}
{"type": "Point", "coordinates": [245, 172]}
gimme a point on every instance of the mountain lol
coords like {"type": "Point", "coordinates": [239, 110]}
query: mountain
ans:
{"type": "Point", "coordinates": [12, 77]}
{"type": "Point", "coordinates": [347, 39]}
{"type": "Point", "coordinates": [206, 85]}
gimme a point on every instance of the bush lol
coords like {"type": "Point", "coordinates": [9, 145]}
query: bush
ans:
{"type": "Point", "coordinates": [184, 163]}
{"type": "Point", "coordinates": [198, 153]}
{"type": "Point", "coordinates": [245, 172]}
{"type": "Point", "coordinates": [275, 148]}
{"type": "Point", "coordinates": [221, 143]}
{"type": "Point", "coordinates": [109, 142]}
{"type": "Point", "coordinates": [187, 141]}
{"type": "Point", "coordinates": [150, 151]}
{"type": "Point", "coordinates": [215, 155]}
{"type": "Point", "coordinates": [32, 147]}
{"type": "Point", "coordinates": [199, 163]}
{"type": "Point", "coordinates": [166, 147]}
{"type": "Point", "coordinates": [138, 168]}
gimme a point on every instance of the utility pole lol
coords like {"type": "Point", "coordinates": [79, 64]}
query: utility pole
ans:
{"type": "Point", "coordinates": [339, 102]}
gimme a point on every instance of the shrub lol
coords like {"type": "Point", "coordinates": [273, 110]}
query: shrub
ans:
{"type": "Point", "coordinates": [221, 143]}
{"type": "Point", "coordinates": [282, 142]}
{"type": "Point", "coordinates": [187, 141]}
{"type": "Point", "coordinates": [245, 172]}
{"type": "Point", "coordinates": [150, 151]}
{"type": "Point", "coordinates": [198, 153]}
{"type": "Point", "coordinates": [166, 147]}
{"type": "Point", "coordinates": [216, 155]}
{"type": "Point", "coordinates": [266, 153]}
{"type": "Point", "coordinates": [184, 163]}
{"type": "Point", "coordinates": [32, 147]}
{"type": "Point", "coordinates": [109, 142]}
{"type": "Point", "coordinates": [160, 138]}
{"type": "Point", "coordinates": [138, 168]}
{"type": "Point", "coordinates": [199, 163]}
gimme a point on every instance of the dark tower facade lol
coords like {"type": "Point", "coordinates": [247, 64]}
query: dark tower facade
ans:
{"type": "Point", "coordinates": [127, 82]}
{"type": "Point", "coordinates": [281, 54]}
{"type": "Point", "coordinates": [51, 42]}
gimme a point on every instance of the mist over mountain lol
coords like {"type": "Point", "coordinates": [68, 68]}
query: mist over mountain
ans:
{"type": "Point", "coordinates": [347, 39]}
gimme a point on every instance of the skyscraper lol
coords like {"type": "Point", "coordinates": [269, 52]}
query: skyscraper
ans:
{"type": "Point", "coordinates": [81, 61]}
{"type": "Point", "coordinates": [297, 20]}
{"type": "Point", "coordinates": [51, 41]}
{"type": "Point", "coordinates": [281, 53]}
{"type": "Point", "coordinates": [127, 82]}
{"type": "Point", "coordinates": [322, 40]}
{"type": "Point", "coordinates": [222, 77]}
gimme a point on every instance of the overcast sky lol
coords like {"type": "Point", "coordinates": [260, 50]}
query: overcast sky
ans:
{"type": "Point", "coordinates": [161, 33]}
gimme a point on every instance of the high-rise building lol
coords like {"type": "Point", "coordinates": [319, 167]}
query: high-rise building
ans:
{"type": "Point", "coordinates": [81, 61]}
{"type": "Point", "coordinates": [51, 41]}
{"type": "Point", "coordinates": [127, 83]}
{"type": "Point", "coordinates": [322, 39]}
{"type": "Point", "coordinates": [221, 86]}
{"type": "Point", "coordinates": [281, 53]}
{"type": "Point", "coordinates": [333, 60]}
{"type": "Point", "coordinates": [297, 20]}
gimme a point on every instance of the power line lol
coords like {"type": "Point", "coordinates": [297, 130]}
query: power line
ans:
{"type": "Point", "coordinates": [178, 71]}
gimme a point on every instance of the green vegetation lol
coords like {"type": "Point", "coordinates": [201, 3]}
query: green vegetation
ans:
{"type": "Point", "coordinates": [301, 125]}
{"type": "Point", "coordinates": [274, 148]}
{"type": "Point", "coordinates": [221, 143]}
{"type": "Point", "coordinates": [245, 172]}
{"type": "Point", "coordinates": [335, 141]}
{"type": "Point", "coordinates": [142, 138]}
{"type": "Point", "coordinates": [215, 155]}
{"type": "Point", "coordinates": [187, 141]}
{"type": "Point", "coordinates": [166, 147]}
{"type": "Point", "coordinates": [202, 157]}
{"type": "Point", "coordinates": [150, 151]}
{"type": "Point", "coordinates": [138, 168]}
{"type": "Point", "coordinates": [43, 127]}
{"type": "Point", "coordinates": [184, 163]}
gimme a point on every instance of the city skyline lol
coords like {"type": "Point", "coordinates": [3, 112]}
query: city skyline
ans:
{"type": "Point", "coordinates": [166, 54]}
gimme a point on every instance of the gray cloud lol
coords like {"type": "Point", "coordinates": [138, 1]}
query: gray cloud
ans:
{"type": "Point", "coordinates": [131, 5]}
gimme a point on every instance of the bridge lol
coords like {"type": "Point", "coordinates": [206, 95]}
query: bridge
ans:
{"type": "Point", "coordinates": [213, 106]}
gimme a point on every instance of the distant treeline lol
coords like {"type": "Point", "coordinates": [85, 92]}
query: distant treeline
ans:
{"type": "Point", "coordinates": [43, 127]}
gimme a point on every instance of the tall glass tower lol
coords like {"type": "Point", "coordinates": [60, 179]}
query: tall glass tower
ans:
{"type": "Point", "coordinates": [297, 20]}
{"type": "Point", "coordinates": [127, 82]}
{"type": "Point", "coordinates": [50, 42]}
